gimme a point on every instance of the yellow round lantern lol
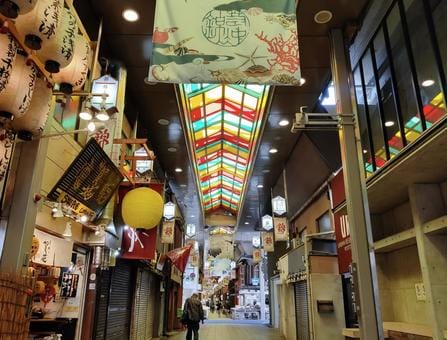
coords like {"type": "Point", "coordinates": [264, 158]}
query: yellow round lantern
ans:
{"type": "Point", "coordinates": [142, 208]}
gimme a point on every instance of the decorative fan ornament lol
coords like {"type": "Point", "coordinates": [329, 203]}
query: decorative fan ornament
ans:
{"type": "Point", "coordinates": [15, 98]}
{"type": "Point", "coordinates": [73, 77]}
{"type": "Point", "coordinates": [12, 8]}
{"type": "Point", "coordinates": [58, 52]}
{"type": "Point", "coordinates": [41, 24]}
{"type": "Point", "coordinates": [8, 52]}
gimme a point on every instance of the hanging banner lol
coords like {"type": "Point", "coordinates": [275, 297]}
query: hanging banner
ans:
{"type": "Point", "coordinates": [195, 259]}
{"type": "Point", "coordinates": [268, 242]}
{"type": "Point", "coordinates": [225, 41]}
{"type": "Point", "coordinates": [167, 232]}
{"type": "Point", "coordinates": [281, 229]}
{"type": "Point", "coordinates": [51, 250]}
{"type": "Point", "coordinates": [256, 255]}
{"type": "Point", "coordinates": [179, 257]}
{"type": "Point", "coordinates": [176, 275]}
{"type": "Point", "coordinates": [139, 244]}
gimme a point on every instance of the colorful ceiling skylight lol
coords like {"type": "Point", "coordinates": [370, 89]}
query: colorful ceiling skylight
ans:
{"type": "Point", "coordinates": [223, 123]}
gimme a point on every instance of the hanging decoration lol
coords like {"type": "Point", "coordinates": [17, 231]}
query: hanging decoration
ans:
{"type": "Point", "coordinates": [179, 257]}
{"type": "Point", "coordinates": [226, 41]}
{"type": "Point", "coordinates": [279, 205]}
{"type": "Point", "coordinates": [142, 208]}
{"type": "Point", "coordinates": [169, 210]}
{"type": "Point", "coordinates": [40, 25]}
{"type": "Point", "coordinates": [268, 242]}
{"type": "Point", "coordinates": [15, 97]}
{"type": "Point", "coordinates": [281, 229]}
{"type": "Point", "coordinates": [12, 8]}
{"type": "Point", "coordinates": [267, 222]}
{"type": "Point", "coordinates": [8, 52]}
{"type": "Point", "coordinates": [167, 233]}
{"type": "Point", "coordinates": [139, 244]}
{"type": "Point", "coordinates": [73, 77]}
{"type": "Point", "coordinates": [257, 256]}
{"type": "Point", "coordinates": [35, 118]}
{"type": "Point", "coordinates": [58, 52]}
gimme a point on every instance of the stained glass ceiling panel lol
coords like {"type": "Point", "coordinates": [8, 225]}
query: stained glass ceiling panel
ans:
{"type": "Point", "coordinates": [223, 123]}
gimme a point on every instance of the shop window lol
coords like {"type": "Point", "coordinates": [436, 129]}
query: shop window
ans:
{"type": "Point", "coordinates": [408, 101]}
{"type": "Point", "coordinates": [324, 223]}
{"type": "Point", "coordinates": [425, 62]}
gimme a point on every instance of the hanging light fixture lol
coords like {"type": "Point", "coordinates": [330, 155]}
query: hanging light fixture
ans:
{"type": "Point", "coordinates": [67, 231]}
{"type": "Point", "coordinates": [102, 115]}
{"type": "Point", "coordinates": [86, 112]}
{"type": "Point", "coordinates": [57, 210]}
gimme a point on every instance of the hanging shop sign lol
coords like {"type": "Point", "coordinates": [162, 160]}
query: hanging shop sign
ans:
{"type": "Point", "coordinates": [89, 182]}
{"type": "Point", "coordinates": [256, 241]}
{"type": "Point", "coordinates": [225, 41]}
{"type": "Point", "coordinates": [267, 242]}
{"type": "Point", "coordinates": [190, 230]}
{"type": "Point", "coordinates": [195, 258]}
{"type": "Point", "coordinates": [139, 244]}
{"type": "Point", "coordinates": [256, 256]}
{"type": "Point", "coordinates": [179, 257]}
{"type": "Point", "coordinates": [167, 233]}
{"type": "Point", "coordinates": [107, 86]}
{"type": "Point", "coordinates": [176, 275]}
{"type": "Point", "coordinates": [279, 205]}
{"type": "Point", "coordinates": [267, 222]}
{"type": "Point", "coordinates": [281, 229]}
{"type": "Point", "coordinates": [169, 211]}
{"type": "Point", "coordinates": [50, 250]}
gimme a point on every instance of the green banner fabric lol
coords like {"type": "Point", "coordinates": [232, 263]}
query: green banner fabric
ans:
{"type": "Point", "coordinates": [224, 41]}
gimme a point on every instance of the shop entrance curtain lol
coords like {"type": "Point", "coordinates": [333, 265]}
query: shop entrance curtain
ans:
{"type": "Point", "coordinates": [224, 41]}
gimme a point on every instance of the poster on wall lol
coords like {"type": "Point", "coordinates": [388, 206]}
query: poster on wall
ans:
{"type": "Point", "coordinates": [73, 287]}
{"type": "Point", "coordinates": [167, 232]}
{"type": "Point", "coordinates": [267, 242]}
{"type": "Point", "coordinates": [225, 41]}
{"type": "Point", "coordinates": [281, 229]}
{"type": "Point", "coordinates": [51, 250]}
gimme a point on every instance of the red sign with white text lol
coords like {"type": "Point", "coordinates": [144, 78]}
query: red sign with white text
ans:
{"type": "Point", "coordinates": [139, 244]}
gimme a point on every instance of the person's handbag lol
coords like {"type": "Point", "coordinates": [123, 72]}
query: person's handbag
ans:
{"type": "Point", "coordinates": [184, 319]}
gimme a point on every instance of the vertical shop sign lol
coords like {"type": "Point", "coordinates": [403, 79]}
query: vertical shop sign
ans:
{"type": "Point", "coordinates": [168, 230]}
{"type": "Point", "coordinates": [256, 255]}
{"type": "Point", "coordinates": [139, 244]}
{"type": "Point", "coordinates": [268, 242]}
{"type": "Point", "coordinates": [343, 237]}
{"type": "Point", "coordinates": [195, 255]}
{"type": "Point", "coordinates": [281, 229]}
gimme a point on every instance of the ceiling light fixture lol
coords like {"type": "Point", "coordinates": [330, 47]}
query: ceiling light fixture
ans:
{"type": "Point", "coordinates": [323, 17]}
{"type": "Point", "coordinates": [284, 122]}
{"type": "Point", "coordinates": [163, 122]}
{"type": "Point", "coordinates": [67, 231]}
{"type": "Point", "coordinates": [247, 223]}
{"type": "Point", "coordinates": [273, 151]}
{"type": "Point", "coordinates": [85, 115]}
{"type": "Point", "coordinates": [130, 15]}
{"type": "Point", "coordinates": [365, 151]}
{"type": "Point", "coordinates": [389, 123]}
{"type": "Point", "coordinates": [103, 116]}
{"type": "Point", "coordinates": [266, 171]}
{"type": "Point", "coordinates": [178, 170]}
{"type": "Point", "coordinates": [428, 83]}
{"type": "Point", "coordinates": [260, 186]}
{"type": "Point", "coordinates": [172, 149]}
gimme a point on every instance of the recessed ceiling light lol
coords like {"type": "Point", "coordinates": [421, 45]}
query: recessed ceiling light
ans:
{"type": "Point", "coordinates": [428, 83]}
{"type": "Point", "coordinates": [260, 186]}
{"type": "Point", "coordinates": [389, 123]}
{"type": "Point", "coordinates": [247, 223]}
{"type": "Point", "coordinates": [266, 171]}
{"type": "Point", "coordinates": [284, 122]}
{"type": "Point", "coordinates": [172, 149]}
{"type": "Point", "coordinates": [302, 81]}
{"type": "Point", "coordinates": [130, 15]}
{"type": "Point", "coordinates": [163, 121]}
{"type": "Point", "coordinates": [183, 185]}
{"type": "Point", "coordinates": [178, 170]}
{"type": "Point", "coordinates": [323, 17]}
{"type": "Point", "coordinates": [273, 150]}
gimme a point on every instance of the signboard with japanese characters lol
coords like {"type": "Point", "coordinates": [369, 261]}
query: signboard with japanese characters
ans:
{"type": "Point", "coordinates": [139, 244]}
{"type": "Point", "coordinates": [279, 205]}
{"type": "Point", "coordinates": [281, 229]}
{"type": "Point", "coordinates": [268, 242]}
{"type": "Point", "coordinates": [195, 258]}
{"type": "Point", "coordinates": [52, 250]}
{"type": "Point", "coordinates": [167, 233]}
{"type": "Point", "coordinates": [256, 255]}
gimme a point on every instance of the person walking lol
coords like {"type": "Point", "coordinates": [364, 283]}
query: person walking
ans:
{"type": "Point", "coordinates": [192, 315]}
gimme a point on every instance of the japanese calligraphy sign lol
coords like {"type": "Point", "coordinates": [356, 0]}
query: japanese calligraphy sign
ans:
{"type": "Point", "coordinates": [88, 184]}
{"type": "Point", "coordinates": [139, 244]}
{"type": "Point", "coordinates": [268, 242]}
{"type": "Point", "coordinates": [52, 251]}
{"type": "Point", "coordinates": [281, 229]}
{"type": "Point", "coordinates": [168, 230]}
{"type": "Point", "coordinates": [225, 41]}
{"type": "Point", "coordinates": [257, 257]}
{"type": "Point", "coordinates": [195, 258]}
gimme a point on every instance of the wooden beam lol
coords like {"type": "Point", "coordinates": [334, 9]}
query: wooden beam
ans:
{"type": "Point", "coordinates": [129, 141]}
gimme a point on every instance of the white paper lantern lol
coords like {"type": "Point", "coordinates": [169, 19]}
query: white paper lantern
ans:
{"type": "Point", "coordinates": [15, 98]}
{"type": "Point", "coordinates": [12, 8]}
{"type": "Point", "coordinates": [34, 120]}
{"type": "Point", "coordinates": [72, 77]}
{"type": "Point", "coordinates": [58, 52]}
{"type": "Point", "coordinates": [8, 52]}
{"type": "Point", "coordinates": [41, 24]}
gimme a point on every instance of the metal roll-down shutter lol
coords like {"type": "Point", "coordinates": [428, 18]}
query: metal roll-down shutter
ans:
{"type": "Point", "coordinates": [302, 312]}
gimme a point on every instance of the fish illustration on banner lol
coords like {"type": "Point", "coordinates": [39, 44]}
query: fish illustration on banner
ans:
{"type": "Point", "coordinates": [225, 41]}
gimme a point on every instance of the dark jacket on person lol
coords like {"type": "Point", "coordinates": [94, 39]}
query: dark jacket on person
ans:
{"type": "Point", "coordinates": [194, 310]}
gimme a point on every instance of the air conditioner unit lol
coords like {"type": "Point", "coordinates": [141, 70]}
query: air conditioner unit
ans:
{"type": "Point", "coordinates": [314, 121]}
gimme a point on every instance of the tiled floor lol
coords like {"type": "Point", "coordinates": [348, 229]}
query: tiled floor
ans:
{"type": "Point", "coordinates": [230, 331]}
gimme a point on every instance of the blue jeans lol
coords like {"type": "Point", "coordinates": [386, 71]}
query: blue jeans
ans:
{"type": "Point", "coordinates": [193, 326]}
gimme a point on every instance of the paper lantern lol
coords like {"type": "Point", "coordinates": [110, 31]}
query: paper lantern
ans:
{"type": "Point", "coordinates": [15, 98]}
{"type": "Point", "coordinates": [12, 8]}
{"type": "Point", "coordinates": [8, 52]}
{"type": "Point", "coordinates": [142, 208]}
{"type": "Point", "coordinates": [58, 52]}
{"type": "Point", "coordinates": [33, 122]}
{"type": "Point", "coordinates": [41, 24]}
{"type": "Point", "coordinates": [72, 77]}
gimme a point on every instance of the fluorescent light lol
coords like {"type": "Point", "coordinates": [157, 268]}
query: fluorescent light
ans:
{"type": "Point", "coordinates": [85, 115]}
{"type": "Point", "coordinates": [428, 83]}
{"type": "Point", "coordinates": [130, 15]}
{"type": "Point", "coordinates": [389, 123]}
{"type": "Point", "coordinates": [247, 223]}
{"type": "Point", "coordinates": [273, 150]}
{"type": "Point", "coordinates": [178, 170]}
{"type": "Point", "coordinates": [284, 122]}
{"type": "Point", "coordinates": [102, 116]}
{"type": "Point", "coordinates": [260, 186]}
{"type": "Point", "coordinates": [91, 127]}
